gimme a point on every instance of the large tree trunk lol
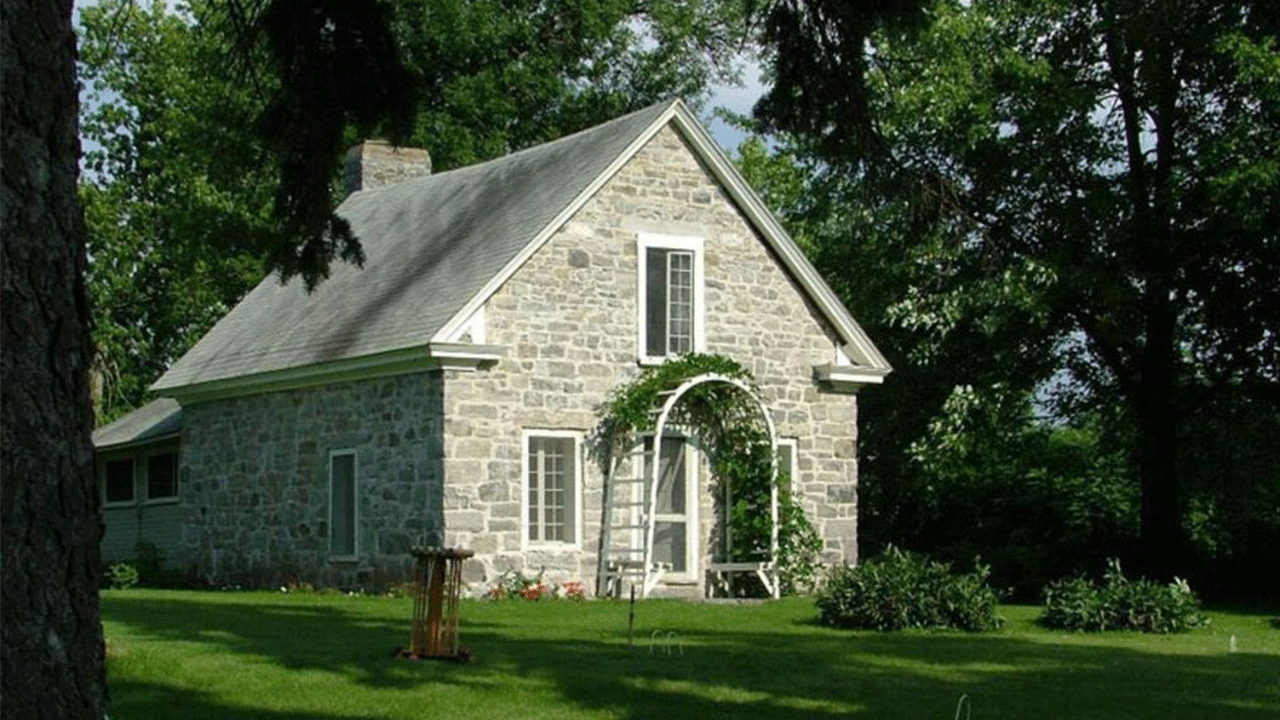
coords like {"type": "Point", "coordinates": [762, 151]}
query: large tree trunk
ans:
{"type": "Point", "coordinates": [52, 655]}
{"type": "Point", "coordinates": [1163, 550]}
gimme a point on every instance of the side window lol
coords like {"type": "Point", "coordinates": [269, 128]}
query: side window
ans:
{"type": "Point", "coordinates": [552, 485]}
{"type": "Point", "coordinates": [162, 476]}
{"type": "Point", "coordinates": [117, 481]}
{"type": "Point", "coordinates": [671, 297]}
{"type": "Point", "coordinates": [342, 503]}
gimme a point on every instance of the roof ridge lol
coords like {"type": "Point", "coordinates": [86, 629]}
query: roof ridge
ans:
{"type": "Point", "coordinates": [522, 152]}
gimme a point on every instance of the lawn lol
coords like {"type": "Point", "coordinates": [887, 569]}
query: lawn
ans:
{"type": "Point", "coordinates": [179, 654]}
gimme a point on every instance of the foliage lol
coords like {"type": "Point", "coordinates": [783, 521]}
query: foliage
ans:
{"type": "Point", "coordinates": [513, 584]}
{"type": "Point", "coordinates": [740, 455]}
{"type": "Point", "coordinates": [176, 193]}
{"type": "Point", "coordinates": [122, 576]}
{"type": "Point", "coordinates": [629, 409]}
{"type": "Point", "coordinates": [1076, 603]}
{"type": "Point", "coordinates": [1052, 202]}
{"type": "Point", "coordinates": [900, 590]}
{"type": "Point", "coordinates": [501, 75]}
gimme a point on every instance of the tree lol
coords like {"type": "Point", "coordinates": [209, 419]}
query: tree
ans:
{"type": "Point", "coordinates": [180, 204]}
{"type": "Point", "coordinates": [1094, 183]}
{"type": "Point", "coordinates": [179, 190]}
{"type": "Point", "coordinates": [51, 662]}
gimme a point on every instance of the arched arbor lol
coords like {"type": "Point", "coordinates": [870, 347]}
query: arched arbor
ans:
{"type": "Point", "coordinates": [709, 403]}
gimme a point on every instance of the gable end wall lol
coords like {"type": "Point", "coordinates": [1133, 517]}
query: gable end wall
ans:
{"type": "Point", "coordinates": [568, 318]}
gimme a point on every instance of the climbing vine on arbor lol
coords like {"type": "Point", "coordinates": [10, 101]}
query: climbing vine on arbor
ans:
{"type": "Point", "coordinates": [737, 443]}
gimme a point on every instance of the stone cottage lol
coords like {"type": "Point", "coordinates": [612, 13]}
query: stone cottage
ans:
{"type": "Point", "coordinates": [445, 393]}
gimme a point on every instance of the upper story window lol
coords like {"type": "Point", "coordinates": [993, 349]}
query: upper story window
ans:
{"type": "Point", "coordinates": [671, 297]}
{"type": "Point", "coordinates": [117, 481]}
{"type": "Point", "coordinates": [162, 476]}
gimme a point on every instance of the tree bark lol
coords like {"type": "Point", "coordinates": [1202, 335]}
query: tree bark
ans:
{"type": "Point", "coordinates": [51, 660]}
{"type": "Point", "coordinates": [1162, 548]}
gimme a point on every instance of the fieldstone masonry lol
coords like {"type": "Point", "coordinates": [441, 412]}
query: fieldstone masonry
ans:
{"type": "Point", "coordinates": [568, 319]}
{"type": "Point", "coordinates": [442, 450]}
{"type": "Point", "coordinates": [255, 481]}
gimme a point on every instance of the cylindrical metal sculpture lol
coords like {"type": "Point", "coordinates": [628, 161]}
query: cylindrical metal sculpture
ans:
{"type": "Point", "coordinates": [437, 591]}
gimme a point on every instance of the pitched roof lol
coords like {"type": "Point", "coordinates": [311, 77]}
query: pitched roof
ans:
{"type": "Point", "coordinates": [156, 420]}
{"type": "Point", "coordinates": [437, 247]}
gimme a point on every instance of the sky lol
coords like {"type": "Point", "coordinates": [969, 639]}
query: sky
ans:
{"type": "Point", "coordinates": [736, 99]}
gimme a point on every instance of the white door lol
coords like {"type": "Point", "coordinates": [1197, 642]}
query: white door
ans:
{"type": "Point", "coordinates": [675, 527]}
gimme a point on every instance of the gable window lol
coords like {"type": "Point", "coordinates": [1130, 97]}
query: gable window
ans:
{"type": "Point", "coordinates": [117, 481]}
{"type": "Point", "coordinates": [342, 503]}
{"type": "Point", "coordinates": [671, 298]}
{"type": "Point", "coordinates": [162, 476]}
{"type": "Point", "coordinates": [552, 482]}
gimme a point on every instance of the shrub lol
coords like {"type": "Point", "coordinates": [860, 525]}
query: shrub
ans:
{"type": "Point", "coordinates": [901, 590]}
{"type": "Point", "coordinates": [1121, 604]}
{"type": "Point", "coordinates": [122, 576]}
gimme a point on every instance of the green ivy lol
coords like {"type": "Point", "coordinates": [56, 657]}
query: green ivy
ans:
{"type": "Point", "coordinates": [729, 424]}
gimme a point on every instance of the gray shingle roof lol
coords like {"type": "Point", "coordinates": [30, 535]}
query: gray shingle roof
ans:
{"type": "Point", "coordinates": [157, 419]}
{"type": "Point", "coordinates": [430, 245]}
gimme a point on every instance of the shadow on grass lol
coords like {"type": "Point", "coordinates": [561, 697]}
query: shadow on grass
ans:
{"type": "Point", "coordinates": [693, 668]}
{"type": "Point", "coordinates": [153, 700]}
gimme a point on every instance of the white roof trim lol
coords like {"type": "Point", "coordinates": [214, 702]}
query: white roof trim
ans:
{"type": "Point", "coordinates": [857, 345]}
{"type": "Point", "coordinates": [848, 378]}
{"type": "Point", "coordinates": [460, 356]}
{"type": "Point", "coordinates": [451, 327]}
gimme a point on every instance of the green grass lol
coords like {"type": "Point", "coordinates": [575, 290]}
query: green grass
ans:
{"type": "Point", "coordinates": [262, 656]}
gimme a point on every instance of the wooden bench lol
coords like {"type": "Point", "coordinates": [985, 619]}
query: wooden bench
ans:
{"type": "Point", "coordinates": [722, 575]}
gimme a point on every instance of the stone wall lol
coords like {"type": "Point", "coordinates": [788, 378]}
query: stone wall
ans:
{"type": "Point", "coordinates": [254, 481]}
{"type": "Point", "coordinates": [568, 319]}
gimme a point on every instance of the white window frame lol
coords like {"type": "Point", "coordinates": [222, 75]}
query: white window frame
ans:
{"type": "Point", "coordinates": [133, 462]}
{"type": "Point", "coordinates": [146, 478]}
{"type": "Point", "coordinates": [355, 503]}
{"type": "Point", "coordinates": [644, 242]}
{"type": "Point", "coordinates": [577, 437]}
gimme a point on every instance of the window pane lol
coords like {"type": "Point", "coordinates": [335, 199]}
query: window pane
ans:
{"type": "Point", "coordinates": [342, 521]}
{"type": "Point", "coordinates": [671, 476]}
{"type": "Point", "coordinates": [552, 489]}
{"type": "Point", "coordinates": [162, 476]}
{"type": "Point", "coordinates": [655, 302]}
{"type": "Point", "coordinates": [679, 302]}
{"type": "Point", "coordinates": [119, 480]}
{"type": "Point", "coordinates": [669, 545]}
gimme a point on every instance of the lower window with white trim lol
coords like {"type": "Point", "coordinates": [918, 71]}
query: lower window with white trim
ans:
{"type": "Point", "coordinates": [552, 485]}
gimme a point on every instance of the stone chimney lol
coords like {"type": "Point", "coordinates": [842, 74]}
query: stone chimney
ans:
{"type": "Point", "coordinates": [374, 163]}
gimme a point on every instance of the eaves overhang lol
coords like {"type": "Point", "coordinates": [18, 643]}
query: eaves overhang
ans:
{"type": "Point", "coordinates": [450, 356]}
{"type": "Point", "coordinates": [848, 378]}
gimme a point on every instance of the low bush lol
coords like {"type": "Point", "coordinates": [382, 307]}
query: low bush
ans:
{"type": "Point", "coordinates": [122, 576]}
{"type": "Point", "coordinates": [900, 590]}
{"type": "Point", "coordinates": [1077, 603]}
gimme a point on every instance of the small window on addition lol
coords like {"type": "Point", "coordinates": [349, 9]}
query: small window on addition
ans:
{"type": "Point", "coordinates": [551, 489]}
{"type": "Point", "coordinates": [342, 504]}
{"type": "Point", "coordinates": [118, 481]}
{"type": "Point", "coordinates": [162, 476]}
